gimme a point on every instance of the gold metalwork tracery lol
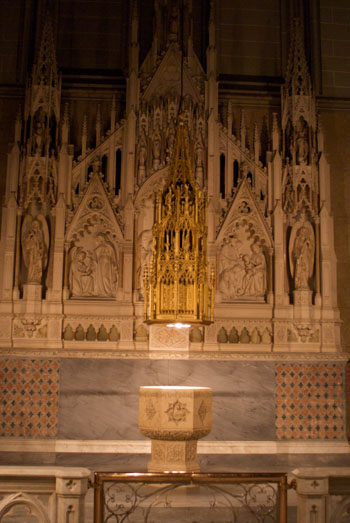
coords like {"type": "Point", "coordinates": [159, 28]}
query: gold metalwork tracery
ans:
{"type": "Point", "coordinates": [176, 287]}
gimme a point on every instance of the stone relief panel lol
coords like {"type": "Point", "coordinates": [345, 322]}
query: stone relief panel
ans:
{"type": "Point", "coordinates": [242, 247]}
{"type": "Point", "coordinates": [31, 326]}
{"type": "Point", "coordinates": [242, 266]}
{"type": "Point", "coordinates": [94, 240]}
{"type": "Point", "coordinates": [242, 263]}
{"type": "Point", "coordinates": [94, 266]}
{"type": "Point", "coordinates": [291, 332]}
{"type": "Point", "coordinates": [163, 337]}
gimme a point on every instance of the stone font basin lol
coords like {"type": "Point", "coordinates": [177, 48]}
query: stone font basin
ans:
{"type": "Point", "coordinates": [174, 418]}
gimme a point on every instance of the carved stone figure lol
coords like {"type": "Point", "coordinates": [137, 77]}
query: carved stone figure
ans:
{"type": "Point", "coordinates": [170, 140]}
{"type": "Point", "coordinates": [35, 247]}
{"type": "Point", "coordinates": [38, 131]}
{"type": "Point", "coordinates": [288, 196]}
{"type": "Point", "coordinates": [301, 140]}
{"type": "Point", "coordinates": [156, 148]}
{"type": "Point", "coordinates": [145, 256]}
{"type": "Point", "coordinates": [81, 274]}
{"type": "Point", "coordinates": [303, 257]}
{"type": "Point", "coordinates": [142, 156]}
{"type": "Point", "coordinates": [254, 280]}
{"type": "Point", "coordinates": [106, 279]}
{"type": "Point", "coordinates": [231, 268]}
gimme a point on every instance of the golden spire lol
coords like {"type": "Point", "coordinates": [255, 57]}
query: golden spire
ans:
{"type": "Point", "coordinates": [177, 288]}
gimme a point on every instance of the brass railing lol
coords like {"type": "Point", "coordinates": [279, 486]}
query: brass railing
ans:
{"type": "Point", "coordinates": [188, 497]}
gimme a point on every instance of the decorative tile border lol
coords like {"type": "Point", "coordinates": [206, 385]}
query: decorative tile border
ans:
{"type": "Point", "coordinates": [309, 401]}
{"type": "Point", "coordinates": [29, 398]}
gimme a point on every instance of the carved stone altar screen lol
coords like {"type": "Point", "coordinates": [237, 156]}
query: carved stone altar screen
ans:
{"type": "Point", "coordinates": [79, 225]}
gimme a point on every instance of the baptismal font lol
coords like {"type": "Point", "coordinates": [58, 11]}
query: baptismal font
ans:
{"type": "Point", "coordinates": [175, 418]}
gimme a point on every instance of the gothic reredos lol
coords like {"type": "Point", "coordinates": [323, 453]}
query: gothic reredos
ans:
{"type": "Point", "coordinates": [77, 227]}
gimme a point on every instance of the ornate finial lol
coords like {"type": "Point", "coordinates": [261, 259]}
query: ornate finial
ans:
{"type": "Point", "coordinates": [84, 131]}
{"type": "Point", "coordinates": [45, 68]}
{"type": "Point", "coordinates": [243, 130]}
{"type": "Point", "coordinates": [65, 124]}
{"type": "Point", "coordinates": [298, 77]}
{"type": "Point", "coordinates": [320, 134]}
{"type": "Point", "coordinates": [84, 137]}
{"type": "Point", "coordinates": [298, 102]}
{"type": "Point", "coordinates": [98, 125]}
{"type": "Point", "coordinates": [212, 24]}
{"type": "Point", "coordinates": [257, 144]}
{"type": "Point", "coordinates": [275, 133]}
{"type": "Point", "coordinates": [180, 162]}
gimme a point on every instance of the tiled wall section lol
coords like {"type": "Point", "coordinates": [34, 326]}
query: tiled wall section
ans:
{"type": "Point", "coordinates": [310, 401]}
{"type": "Point", "coordinates": [29, 398]}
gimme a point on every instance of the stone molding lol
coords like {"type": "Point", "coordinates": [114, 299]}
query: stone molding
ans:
{"type": "Point", "coordinates": [143, 446]}
{"type": "Point", "coordinates": [95, 352]}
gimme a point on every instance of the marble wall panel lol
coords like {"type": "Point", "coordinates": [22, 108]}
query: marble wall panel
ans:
{"type": "Point", "coordinates": [99, 398]}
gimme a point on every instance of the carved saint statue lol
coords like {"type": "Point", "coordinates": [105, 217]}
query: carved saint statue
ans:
{"type": "Point", "coordinates": [231, 269]}
{"type": "Point", "coordinates": [106, 267]}
{"type": "Point", "coordinates": [254, 279]}
{"type": "Point", "coordinates": [303, 257]}
{"type": "Point", "coordinates": [170, 139]}
{"type": "Point", "coordinates": [81, 274]}
{"type": "Point", "coordinates": [301, 140]}
{"type": "Point", "coordinates": [35, 243]}
{"type": "Point", "coordinates": [142, 149]}
{"type": "Point", "coordinates": [156, 148]}
{"type": "Point", "coordinates": [38, 131]}
{"type": "Point", "coordinates": [145, 240]}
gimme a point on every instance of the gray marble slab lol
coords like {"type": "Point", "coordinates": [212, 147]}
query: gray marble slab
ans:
{"type": "Point", "coordinates": [27, 458]}
{"type": "Point", "coordinates": [99, 398]}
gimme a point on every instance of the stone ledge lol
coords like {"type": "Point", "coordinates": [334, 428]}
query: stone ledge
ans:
{"type": "Point", "coordinates": [93, 353]}
{"type": "Point", "coordinates": [144, 446]}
